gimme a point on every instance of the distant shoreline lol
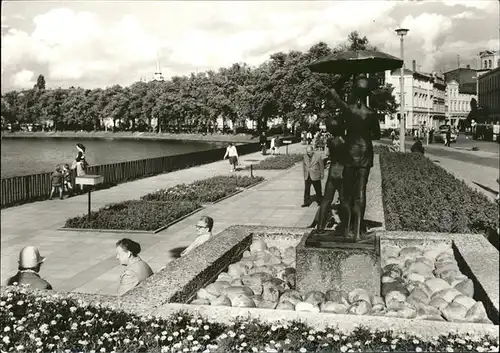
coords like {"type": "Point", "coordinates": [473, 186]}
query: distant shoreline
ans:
{"type": "Point", "coordinates": [239, 138]}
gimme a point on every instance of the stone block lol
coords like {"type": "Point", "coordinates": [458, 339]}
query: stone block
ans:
{"type": "Point", "coordinates": [342, 266]}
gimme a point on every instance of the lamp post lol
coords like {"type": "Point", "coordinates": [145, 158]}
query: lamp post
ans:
{"type": "Point", "coordinates": [429, 107]}
{"type": "Point", "coordinates": [401, 32]}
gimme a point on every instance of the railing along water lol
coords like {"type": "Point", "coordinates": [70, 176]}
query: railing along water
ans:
{"type": "Point", "coordinates": [21, 189]}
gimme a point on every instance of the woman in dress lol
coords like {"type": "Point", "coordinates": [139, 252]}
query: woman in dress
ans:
{"type": "Point", "coordinates": [136, 270]}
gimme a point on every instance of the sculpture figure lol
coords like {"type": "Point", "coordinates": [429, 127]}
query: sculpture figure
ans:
{"type": "Point", "coordinates": [362, 127]}
{"type": "Point", "coordinates": [336, 155]}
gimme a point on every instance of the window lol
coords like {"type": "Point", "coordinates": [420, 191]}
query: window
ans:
{"type": "Point", "coordinates": [489, 63]}
{"type": "Point", "coordinates": [485, 64]}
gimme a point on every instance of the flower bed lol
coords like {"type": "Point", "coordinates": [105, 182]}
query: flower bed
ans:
{"type": "Point", "coordinates": [202, 191]}
{"type": "Point", "coordinates": [58, 324]}
{"type": "Point", "coordinates": [421, 196]}
{"type": "Point", "coordinates": [279, 162]}
{"type": "Point", "coordinates": [135, 215]}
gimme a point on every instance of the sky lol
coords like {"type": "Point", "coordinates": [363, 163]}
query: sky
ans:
{"type": "Point", "coordinates": [102, 43]}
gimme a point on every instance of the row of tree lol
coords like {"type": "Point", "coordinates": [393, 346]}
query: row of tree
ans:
{"type": "Point", "coordinates": [280, 87]}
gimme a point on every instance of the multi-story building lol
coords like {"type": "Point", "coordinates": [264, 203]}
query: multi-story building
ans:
{"type": "Point", "coordinates": [439, 106]}
{"type": "Point", "coordinates": [463, 76]}
{"type": "Point", "coordinates": [489, 59]}
{"type": "Point", "coordinates": [424, 98]}
{"type": "Point", "coordinates": [458, 98]}
{"type": "Point", "coordinates": [489, 94]}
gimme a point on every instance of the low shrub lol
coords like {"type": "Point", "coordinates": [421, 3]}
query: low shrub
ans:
{"type": "Point", "coordinates": [421, 196]}
{"type": "Point", "coordinates": [61, 324]}
{"type": "Point", "coordinates": [380, 149]}
{"type": "Point", "coordinates": [279, 162]}
{"type": "Point", "coordinates": [206, 190]}
{"type": "Point", "coordinates": [135, 215]}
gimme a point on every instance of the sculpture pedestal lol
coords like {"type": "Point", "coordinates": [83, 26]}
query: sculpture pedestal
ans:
{"type": "Point", "coordinates": [335, 263]}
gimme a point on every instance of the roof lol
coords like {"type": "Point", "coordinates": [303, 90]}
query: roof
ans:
{"type": "Point", "coordinates": [468, 88]}
{"type": "Point", "coordinates": [488, 53]}
{"type": "Point", "coordinates": [460, 69]}
{"type": "Point", "coordinates": [495, 71]}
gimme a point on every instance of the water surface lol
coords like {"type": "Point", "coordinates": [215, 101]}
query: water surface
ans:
{"type": "Point", "coordinates": [24, 156]}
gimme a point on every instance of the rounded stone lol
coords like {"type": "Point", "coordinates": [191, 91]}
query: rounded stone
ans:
{"type": "Point", "coordinates": [331, 307]}
{"type": "Point", "coordinates": [466, 287]}
{"type": "Point", "coordinates": [242, 301]}
{"type": "Point", "coordinates": [308, 307]}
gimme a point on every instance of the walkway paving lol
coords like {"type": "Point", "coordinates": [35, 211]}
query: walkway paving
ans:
{"type": "Point", "coordinates": [85, 261]}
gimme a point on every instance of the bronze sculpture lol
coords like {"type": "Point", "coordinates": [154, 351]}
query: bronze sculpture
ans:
{"type": "Point", "coordinates": [362, 127]}
{"type": "Point", "coordinates": [336, 154]}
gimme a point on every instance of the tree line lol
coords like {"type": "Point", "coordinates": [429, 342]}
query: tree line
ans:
{"type": "Point", "coordinates": [280, 87]}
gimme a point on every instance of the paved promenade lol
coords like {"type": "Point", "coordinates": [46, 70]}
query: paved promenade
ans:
{"type": "Point", "coordinates": [85, 261]}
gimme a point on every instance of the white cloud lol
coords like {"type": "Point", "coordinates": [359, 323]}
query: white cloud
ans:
{"type": "Point", "coordinates": [23, 79]}
{"type": "Point", "coordinates": [76, 45]}
{"type": "Point", "coordinates": [478, 4]}
{"type": "Point", "coordinates": [465, 15]}
{"type": "Point", "coordinates": [102, 46]}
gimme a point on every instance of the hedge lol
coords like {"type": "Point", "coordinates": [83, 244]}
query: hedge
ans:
{"type": "Point", "coordinates": [279, 162]}
{"type": "Point", "coordinates": [421, 196]}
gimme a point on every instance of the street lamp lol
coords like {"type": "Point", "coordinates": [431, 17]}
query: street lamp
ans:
{"type": "Point", "coordinates": [401, 32]}
{"type": "Point", "coordinates": [430, 105]}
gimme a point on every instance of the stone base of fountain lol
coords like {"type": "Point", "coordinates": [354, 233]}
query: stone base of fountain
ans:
{"type": "Point", "coordinates": [327, 263]}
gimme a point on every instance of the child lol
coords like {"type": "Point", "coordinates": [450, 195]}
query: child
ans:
{"type": "Point", "coordinates": [57, 182]}
{"type": "Point", "coordinates": [67, 180]}
{"type": "Point", "coordinates": [333, 182]}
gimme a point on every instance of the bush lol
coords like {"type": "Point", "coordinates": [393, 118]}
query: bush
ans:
{"type": "Point", "coordinates": [207, 190]}
{"type": "Point", "coordinates": [421, 196]}
{"type": "Point", "coordinates": [380, 149]}
{"type": "Point", "coordinates": [279, 162]}
{"type": "Point", "coordinates": [135, 215]}
{"type": "Point", "coordinates": [55, 324]}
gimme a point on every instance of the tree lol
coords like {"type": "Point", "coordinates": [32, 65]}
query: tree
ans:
{"type": "Point", "coordinates": [383, 100]}
{"type": "Point", "coordinates": [40, 83]}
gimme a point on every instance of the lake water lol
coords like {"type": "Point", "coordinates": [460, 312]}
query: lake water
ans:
{"type": "Point", "coordinates": [24, 156]}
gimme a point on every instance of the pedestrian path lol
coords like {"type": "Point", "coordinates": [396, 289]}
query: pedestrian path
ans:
{"type": "Point", "coordinates": [85, 261]}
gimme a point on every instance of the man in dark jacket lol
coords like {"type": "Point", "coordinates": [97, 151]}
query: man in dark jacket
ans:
{"type": "Point", "coordinates": [263, 142]}
{"type": "Point", "coordinates": [313, 169]}
{"type": "Point", "coordinates": [30, 262]}
{"type": "Point", "coordinates": [418, 147]}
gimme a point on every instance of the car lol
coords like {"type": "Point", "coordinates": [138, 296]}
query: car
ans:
{"type": "Point", "coordinates": [440, 134]}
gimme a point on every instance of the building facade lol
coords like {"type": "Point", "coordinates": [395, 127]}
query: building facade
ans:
{"type": "Point", "coordinates": [489, 59]}
{"type": "Point", "coordinates": [464, 76]}
{"type": "Point", "coordinates": [458, 100]}
{"type": "Point", "coordinates": [439, 106]}
{"type": "Point", "coordinates": [424, 98]}
{"type": "Point", "coordinates": [489, 94]}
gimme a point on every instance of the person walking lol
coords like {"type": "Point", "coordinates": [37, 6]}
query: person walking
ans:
{"type": "Point", "coordinates": [431, 135]}
{"type": "Point", "coordinates": [136, 270]}
{"type": "Point", "coordinates": [30, 263]}
{"type": "Point", "coordinates": [67, 185]}
{"type": "Point", "coordinates": [309, 137]}
{"type": "Point", "coordinates": [56, 180]}
{"type": "Point", "coordinates": [232, 153]}
{"type": "Point", "coordinates": [448, 137]}
{"type": "Point", "coordinates": [273, 145]}
{"type": "Point", "coordinates": [313, 169]}
{"type": "Point", "coordinates": [263, 143]}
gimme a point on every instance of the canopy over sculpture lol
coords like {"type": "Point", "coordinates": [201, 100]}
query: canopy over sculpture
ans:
{"type": "Point", "coordinates": [353, 62]}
